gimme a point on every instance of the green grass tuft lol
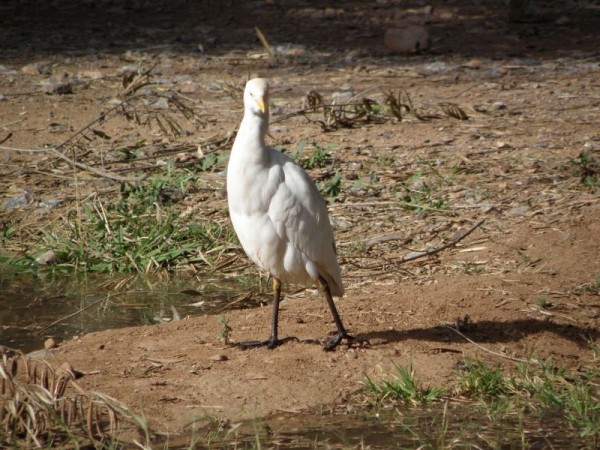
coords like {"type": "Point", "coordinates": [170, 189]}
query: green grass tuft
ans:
{"type": "Point", "coordinates": [142, 231]}
{"type": "Point", "coordinates": [403, 387]}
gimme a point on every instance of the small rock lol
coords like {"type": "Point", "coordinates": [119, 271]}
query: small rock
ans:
{"type": "Point", "coordinates": [498, 106]}
{"type": "Point", "coordinates": [56, 87]}
{"type": "Point", "coordinates": [473, 64]}
{"type": "Point", "coordinates": [187, 88]}
{"type": "Point", "coordinates": [18, 201]}
{"type": "Point", "coordinates": [39, 355]}
{"type": "Point", "coordinates": [49, 344]}
{"type": "Point", "coordinates": [130, 68]}
{"type": "Point", "coordinates": [67, 369]}
{"type": "Point", "coordinates": [161, 103]}
{"type": "Point", "coordinates": [50, 204]}
{"type": "Point", "coordinates": [411, 39]}
{"type": "Point", "coordinates": [332, 13]}
{"type": "Point", "coordinates": [562, 20]}
{"type": "Point", "coordinates": [290, 50]}
{"type": "Point", "coordinates": [518, 211]}
{"type": "Point", "coordinates": [352, 55]}
{"type": "Point", "coordinates": [37, 68]}
{"type": "Point", "coordinates": [91, 74]}
{"type": "Point", "coordinates": [219, 357]}
{"type": "Point", "coordinates": [46, 258]}
{"type": "Point", "coordinates": [5, 70]}
{"type": "Point", "coordinates": [435, 68]}
{"type": "Point", "coordinates": [527, 62]}
{"type": "Point", "coordinates": [342, 97]}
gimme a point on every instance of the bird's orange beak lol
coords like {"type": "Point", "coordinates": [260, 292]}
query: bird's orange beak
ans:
{"type": "Point", "coordinates": [261, 104]}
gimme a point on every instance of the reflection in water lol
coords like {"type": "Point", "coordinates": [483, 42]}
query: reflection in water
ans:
{"type": "Point", "coordinates": [35, 306]}
{"type": "Point", "coordinates": [439, 425]}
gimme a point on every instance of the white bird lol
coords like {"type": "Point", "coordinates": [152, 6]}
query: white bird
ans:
{"type": "Point", "coordinates": [279, 215]}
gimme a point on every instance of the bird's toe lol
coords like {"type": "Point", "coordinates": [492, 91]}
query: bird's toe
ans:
{"type": "Point", "coordinates": [333, 342]}
{"type": "Point", "coordinates": [270, 343]}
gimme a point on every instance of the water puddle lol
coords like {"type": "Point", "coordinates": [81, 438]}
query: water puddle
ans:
{"type": "Point", "coordinates": [34, 307]}
{"type": "Point", "coordinates": [452, 424]}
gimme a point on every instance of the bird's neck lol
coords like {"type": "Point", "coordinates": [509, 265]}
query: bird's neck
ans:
{"type": "Point", "coordinates": [253, 130]}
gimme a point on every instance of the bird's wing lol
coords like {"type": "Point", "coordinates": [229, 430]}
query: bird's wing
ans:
{"type": "Point", "coordinates": [300, 216]}
{"type": "Point", "coordinates": [298, 205]}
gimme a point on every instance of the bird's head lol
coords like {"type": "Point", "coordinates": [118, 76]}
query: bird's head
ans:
{"type": "Point", "coordinates": [256, 97]}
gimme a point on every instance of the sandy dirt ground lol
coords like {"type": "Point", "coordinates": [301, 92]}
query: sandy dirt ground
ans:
{"type": "Point", "coordinates": [523, 284]}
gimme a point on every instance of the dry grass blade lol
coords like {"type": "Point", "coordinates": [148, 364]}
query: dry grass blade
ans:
{"type": "Point", "coordinates": [13, 367]}
{"type": "Point", "coordinates": [90, 420]}
{"type": "Point", "coordinates": [453, 110]}
{"type": "Point", "coordinates": [395, 104]}
{"type": "Point", "coordinates": [31, 413]}
{"type": "Point", "coordinates": [132, 82]}
{"type": "Point", "coordinates": [263, 41]}
{"type": "Point", "coordinates": [233, 90]}
{"type": "Point", "coordinates": [401, 103]}
{"type": "Point", "coordinates": [430, 251]}
{"type": "Point", "coordinates": [312, 99]}
{"type": "Point", "coordinates": [187, 112]}
{"type": "Point", "coordinates": [44, 378]}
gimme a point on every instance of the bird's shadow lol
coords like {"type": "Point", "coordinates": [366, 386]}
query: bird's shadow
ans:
{"type": "Point", "coordinates": [485, 331]}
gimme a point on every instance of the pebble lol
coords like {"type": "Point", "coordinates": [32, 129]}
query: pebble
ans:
{"type": "Point", "coordinates": [342, 97]}
{"type": "Point", "coordinates": [39, 355]}
{"type": "Point", "coordinates": [56, 87]}
{"type": "Point", "coordinates": [67, 369]}
{"type": "Point", "coordinates": [91, 74]}
{"type": "Point", "coordinates": [17, 202]}
{"type": "Point", "coordinates": [445, 15]}
{"type": "Point", "coordinates": [289, 50]}
{"type": "Point", "coordinates": [161, 103]}
{"type": "Point", "coordinates": [37, 68]}
{"type": "Point", "coordinates": [473, 64]}
{"type": "Point", "coordinates": [219, 357]}
{"type": "Point", "coordinates": [46, 258]}
{"type": "Point", "coordinates": [435, 68]}
{"type": "Point", "coordinates": [518, 211]}
{"type": "Point", "coordinates": [187, 88]}
{"type": "Point", "coordinates": [50, 204]}
{"type": "Point", "coordinates": [49, 343]}
{"type": "Point", "coordinates": [410, 39]}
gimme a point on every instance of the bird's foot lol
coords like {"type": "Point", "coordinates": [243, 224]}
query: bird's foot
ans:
{"type": "Point", "coordinates": [333, 342]}
{"type": "Point", "coordinates": [270, 343]}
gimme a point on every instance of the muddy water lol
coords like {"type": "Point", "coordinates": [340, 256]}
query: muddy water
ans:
{"type": "Point", "coordinates": [439, 425]}
{"type": "Point", "coordinates": [35, 307]}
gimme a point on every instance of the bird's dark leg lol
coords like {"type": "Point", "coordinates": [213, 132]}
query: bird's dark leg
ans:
{"type": "Point", "coordinates": [332, 343]}
{"type": "Point", "coordinates": [273, 341]}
